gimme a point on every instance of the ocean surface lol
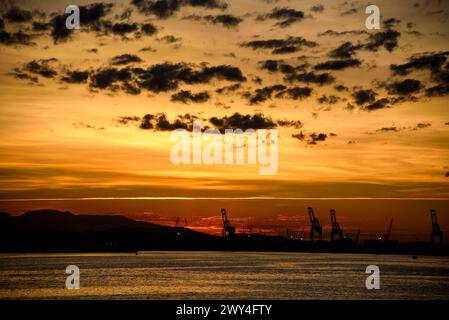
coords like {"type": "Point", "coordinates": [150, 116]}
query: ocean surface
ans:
{"type": "Point", "coordinates": [222, 275]}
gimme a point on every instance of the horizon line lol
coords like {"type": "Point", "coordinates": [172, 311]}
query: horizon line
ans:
{"type": "Point", "coordinates": [219, 198]}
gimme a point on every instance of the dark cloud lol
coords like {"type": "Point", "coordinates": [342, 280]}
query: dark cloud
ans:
{"type": "Point", "coordinates": [340, 88]}
{"type": "Point", "coordinates": [59, 32]}
{"type": "Point", "coordinates": [159, 122]}
{"type": "Point", "coordinates": [161, 77]}
{"type": "Point", "coordinates": [278, 91]}
{"type": "Point", "coordinates": [165, 77]}
{"type": "Point", "coordinates": [148, 29]}
{"type": "Point", "coordinates": [15, 39]}
{"type": "Point", "coordinates": [125, 59]}
{"type": "Point", "coordinates": [42, 67]}
{"type": "Point", "coordinates": [125, 120]}
{"type": "Point", "coordinates": [422, 125]}
{"type": "Point", "coordinates": [107, 78]}
{"type": "Point", "coordinates": [387, 39]}
{"type": "Point", "coordinates": [297, 124]}
{"type": "Point", "coordinates": [311, 77]}
{"type": "Point", "coordinates": [185, 96]}
{"type": "Point", "coordinates": [243, 121]}
{"type": "Point", "coordinates": [18, 15]}
{"type": "Point", "coordinates": [350, 11]}
{"type": "Point", "coordinates": [148, 49]}
{"type": "Point", "coordinates": [362, 97]}
{"type": "Point", "coordinates": [125, 15]}
{"type": "Point", "coordinates": [169, 39]}
{"type": "Point", "coordinates": [280, 46]}
{"type": "Point", "coordinates": [285, 16]}
{"type": "Point", "coordinates": [18, 74]}
{"type": "Point", "coordinates": [414, 33]}
{"type": "Point", "coordinates": [41, 26]}
{"type": "Point", "coordinates": [345, 50]}
{"type": "Point", "coordinates": [166, 8]}
{"type": "Point", "coordinates": [419, 126]}
{"type": "Point", "coordinates": [159, 8]}
{"type": "Point", "coordinates": [226, 20]}
{"type": "Point", "coordinates": [382, 103]}
{"type": "Point", "coordinates": [131, 80]}
{"type": "Point", "coordinates": [388, 129]}
{"type": "Point", "coordinates": [83, 125]}
{"type": "Point", "coordinates": [438, 90]}
{"type": "Point", "coordinates": [278, 66]}
{"type": "Point", "coordinates": [310, 138]}
{"type": "Point", "coordinates": [75, 76]}
{"type": "Point", "coordinates": [122, 28]}
{"type": "Point", "coordinates": [391, 22]}
{"type": "Point", "coordinates": [90, 18]}
{"type": "Point", "coordinates": [334, 33]}
{"type": "Point", "coordinates": [317, 8]}
{"type": "Point", "coordinates": [338, 64]}
{"type": "Point", "coordinates": [228, 89]}
{"type": "Point", "coordinates": [295, 93]}
{"type": "Point", "coordinates": [331, 99]}
{"type": "Point", "coordinates": [263, 94]}
{"type": "Point", "coordinates": [430, 61]}
{"type": "Point", "coordinates": [404, 87]}
{"type": "Point", "coordinates": [270, 65]}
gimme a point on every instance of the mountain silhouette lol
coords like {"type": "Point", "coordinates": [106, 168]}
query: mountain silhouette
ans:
{"type": "Point", "coordinates": [52, 230]}
{"type": "Point", "coordinates": [68, 222]}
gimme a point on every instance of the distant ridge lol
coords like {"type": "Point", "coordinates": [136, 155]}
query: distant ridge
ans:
{"type": "Point", "coordinates": [68, 222]}
{"type": "Point", "coordinates": [53, 230]}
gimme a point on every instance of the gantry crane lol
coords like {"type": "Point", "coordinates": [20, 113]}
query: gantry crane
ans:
{"type": "Point", "coordinates": [357, 236]}
{"type": "Point", "coordinates": [314, 225]}
{"type": "Point", "coordinates": [436, 231]}
{"type": "Point", "coordinates": [336, 230]}
{"type": "Point", "coordinates": [228, 230]}
{"type": "Point", "coordinates": [387, 236]}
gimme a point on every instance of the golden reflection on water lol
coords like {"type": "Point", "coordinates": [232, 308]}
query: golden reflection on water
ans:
{"type": "Point", "coordinates": [221, 275]}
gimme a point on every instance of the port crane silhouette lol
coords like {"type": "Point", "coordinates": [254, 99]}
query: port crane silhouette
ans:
{"type": "Point", "coordinates": [436, 231]}
{"type": "Point", "coordinates": [314, 225]}
{"type": "Point", "coordinates": [228, 230]}
{"type": "Point", "coordinates": [387, 236]}
{"type": "Point", "coordinates": [336, 230]}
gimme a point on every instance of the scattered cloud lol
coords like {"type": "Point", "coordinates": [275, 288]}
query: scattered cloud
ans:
{"type": "Point", "coordinates": [166, 8]}
{"type": "Point", "coordinates": [285, 16]}
{"type": "Point", "coordinates": [404, 87]}
{"type": "Point", "coordinates": [125, 59]}
{"type": "Point", "coordinates": [280, 46]}
{"type": "Point", "coordinates": [311, 138]}
{"type": "Point", "coordinates": [338, 64]}
{"type": "Point", "coordinates": [185, 96]}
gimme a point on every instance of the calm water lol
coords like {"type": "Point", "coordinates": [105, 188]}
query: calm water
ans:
{"type": "Point", "coordinates": [218, 275]}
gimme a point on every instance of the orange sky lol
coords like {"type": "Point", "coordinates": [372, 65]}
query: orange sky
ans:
{"type": "Point", "coordinates": [62, 140]}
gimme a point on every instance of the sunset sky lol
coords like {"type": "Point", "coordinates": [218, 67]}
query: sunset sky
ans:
{"type": "Point", "coordinates": [360, 113]}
